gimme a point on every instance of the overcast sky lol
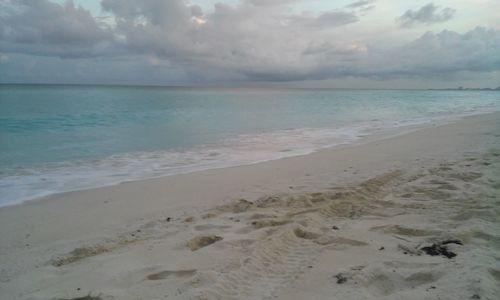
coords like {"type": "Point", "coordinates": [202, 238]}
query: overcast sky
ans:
{"type": "Point", "coordinates": [299, 43]}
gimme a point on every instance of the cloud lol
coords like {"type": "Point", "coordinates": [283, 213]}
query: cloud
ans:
{"type": "Point", "coordinates": [243, 39]}
{"type": "Point", "coordinates": [448, 51]}
{"type": "Point", "coordinates": [433, 55]}
{"type": "Point", "coordinates": [46, 28]}
{"type": "Point", "coordinates": [3, 58]}
{"type": "Point", "coordinates": [360, 4]}
{"type": "Point", "coordinates": [324, 20]}
{"type": "Point", "coordinates": [427, 14]}
{"type": "Point", "coordinates": [270, 2]}
{"type": "Point", "coordinates": [436, 55]}
{"type": "Point", "coordinates": [253, 40]}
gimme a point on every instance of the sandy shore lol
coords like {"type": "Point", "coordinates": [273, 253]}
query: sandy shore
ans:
{"type": "Point", "coordinates": [409, 217]}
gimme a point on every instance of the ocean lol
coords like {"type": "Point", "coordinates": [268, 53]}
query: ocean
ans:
{"type": "Point", "coordinates": [63, 138]}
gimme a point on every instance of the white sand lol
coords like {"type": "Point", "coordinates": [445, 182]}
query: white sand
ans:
{"type": "Point", "coordinates": [386, 199]}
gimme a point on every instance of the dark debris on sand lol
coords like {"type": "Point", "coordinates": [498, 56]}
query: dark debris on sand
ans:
{"type": "Point", "coordinates": [441, 249]}
{"type": "Point", "coordinates": [340, 278]}
{"type": "Point", "coordinates": [88, 297]}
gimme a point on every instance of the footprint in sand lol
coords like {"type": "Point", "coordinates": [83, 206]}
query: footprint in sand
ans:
{"type": "Point", "coordinates": [339, 243]}
{"type": "Point", "coordinates": [78, 254]}
{"type": "Point", "coordinates": [402, 230]}
{"type": "Point", "coordinates": [383, 282]}
{"type": "Point", "coordinates": [201, 241]}
{"type": "Point", "coordinates": [166, 274]}
{"type": "Point", "coordinates": [430, 193]}
{"type": "Point", "coordinates": [210, 227]}
{"type": "Point", "coordinates": [269, 223]}
{"type": "Point", "coordinates": [495, 273]}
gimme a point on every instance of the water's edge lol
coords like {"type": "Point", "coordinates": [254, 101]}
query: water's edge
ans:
{"type": "Point", "coordinates": [361, 139]}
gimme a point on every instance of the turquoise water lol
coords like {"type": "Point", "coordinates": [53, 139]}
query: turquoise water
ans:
{"type": "Point", "coordinates": [62, 138]}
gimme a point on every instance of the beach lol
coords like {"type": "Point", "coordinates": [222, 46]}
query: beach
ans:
{"type": "Point", "coordinates": [413, 215]}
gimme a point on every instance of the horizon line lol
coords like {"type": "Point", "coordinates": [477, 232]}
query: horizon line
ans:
{"type": "Point", "coordinates": [460, 88]}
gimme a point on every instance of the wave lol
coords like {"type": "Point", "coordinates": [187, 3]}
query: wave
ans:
{"type": "Point", "coordinates": [27, 183]}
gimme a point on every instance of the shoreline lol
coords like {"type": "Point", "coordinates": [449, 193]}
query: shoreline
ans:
{"type": "Point", "coordinates": [385, 133]}
{"type": "Point", "coordinates": [129, 240]}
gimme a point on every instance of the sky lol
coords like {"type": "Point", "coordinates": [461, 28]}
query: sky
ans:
{"type": "Point", "coordinates": [283, 43]}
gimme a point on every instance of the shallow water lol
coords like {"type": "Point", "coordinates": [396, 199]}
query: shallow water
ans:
{"type": "Point", "coordinates": [62, 138]}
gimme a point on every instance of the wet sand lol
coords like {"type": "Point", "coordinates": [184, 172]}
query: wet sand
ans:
{"type": "Point", "coordinates": [414, 216]}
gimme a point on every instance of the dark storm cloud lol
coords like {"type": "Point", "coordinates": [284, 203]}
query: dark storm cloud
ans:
{"type": "Point", "coordinates": [45, 28]}
{"type": "Point", "coordinates": [234, 38]}
{"type": "Point", "coordinates": [427, 14]}
{"type": "Point", "coordinates": [157, 12]}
